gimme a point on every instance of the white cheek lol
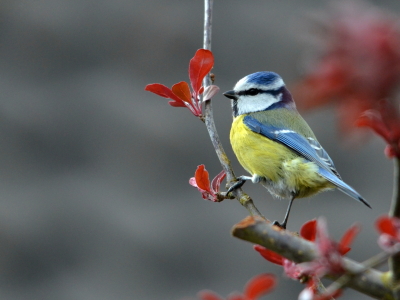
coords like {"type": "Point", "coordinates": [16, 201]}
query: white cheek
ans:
{"type": "Point", "coordinates": [247, 104]}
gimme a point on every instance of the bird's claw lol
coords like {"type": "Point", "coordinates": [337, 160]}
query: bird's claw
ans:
{"type": "Point", "coordinates": [238, 184]}
{"type": "Point", "coordinates": [276, 223]}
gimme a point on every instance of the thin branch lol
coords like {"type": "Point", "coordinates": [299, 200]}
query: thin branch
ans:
{"type": "Point", "coordinates": [243, 198]}
{"type": "Point", "coordinates": [298, 250]}
{"type": "Point", "coordinates": [395, 205]}
{"type": "Point", "coordinates": [394, 261]}
{"type": "Point", "coordinates": [208, 7]}
{"type": "Point", "coordinates": [343, 280]}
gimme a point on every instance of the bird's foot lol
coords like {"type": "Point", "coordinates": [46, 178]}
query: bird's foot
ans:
{"type": "Point", "coordinates": [284, 223]}
{"type": "Point", "coordinates": [238, 184]}
{"type": "Point", "coordinates": [276, 223]}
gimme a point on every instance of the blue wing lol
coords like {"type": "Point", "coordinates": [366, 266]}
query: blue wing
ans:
{"type": "Point", "coordinates": [294, 141]}
{"type": "Point", "coordinates": [309, 148]}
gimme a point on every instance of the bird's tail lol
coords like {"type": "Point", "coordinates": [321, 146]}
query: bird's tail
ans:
{"type": "Point", "coordinates": [342, 186]}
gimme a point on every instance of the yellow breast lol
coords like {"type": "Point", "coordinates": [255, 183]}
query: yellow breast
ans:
{"type": "Point", "coordinates": [285, 171]}
{"type": "Point", "coordinates": [257, 154]}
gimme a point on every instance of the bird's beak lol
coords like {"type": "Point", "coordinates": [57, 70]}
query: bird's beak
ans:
{"type": "Point", "coordinates": [231, 95]}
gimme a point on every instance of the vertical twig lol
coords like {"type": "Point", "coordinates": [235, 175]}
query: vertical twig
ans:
{"type": "Point", "coordinates": [209, 118]}
{"type": "Point", "coordinates": [395, 206]}
{"type": "Point", "coordinates": [208, 5]}
{"type": "Point", "coordinates": [394, 261]}
{"type": "Point", "coordinates": [244, 199]}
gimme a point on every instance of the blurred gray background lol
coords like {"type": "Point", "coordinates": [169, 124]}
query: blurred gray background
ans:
{"type": "Point", "coordinates": [94, 194]}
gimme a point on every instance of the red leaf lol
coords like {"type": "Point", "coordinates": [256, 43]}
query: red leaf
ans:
{"type": "Point", "coordinates": [373, 119]}
{"type": "Point", "coordinates": [202, 178]}
{"type": "Point", "coordinates": [309, 230]}
{"type": "Point", "coordinates": [347, 239]}
{"type": "Point", "coordinates": [176, 104]}
{"type": "Point", "coordinates": [165, 92]}
{"type": "Point", "coordinates": [216, 182]}
{"type": "Point", "coordinates": [201, 90]}
{"type": "Point", "coordinates": [182, 90]}
{"type": "Point", "coordinates": [385, 225]}
{"type": "Point", "coordinates": [208, 295]}
{"type": "Point", "coordinates": [343, 250]}
{"type": "Point", "coordinates": [200, 65]}
{"type": "Point", "coordinates": [259, 285]}
{"type": "Point", "coordinates": [269, 255]}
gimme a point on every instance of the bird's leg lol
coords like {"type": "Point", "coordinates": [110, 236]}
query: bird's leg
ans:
{"type": "Point", "coordinates": [238, 184]}
{"type": "Point", "coordinates": [283, 224]}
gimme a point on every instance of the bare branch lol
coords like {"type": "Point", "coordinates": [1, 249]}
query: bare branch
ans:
{"type": "Point", "coordinates": [208, 6]}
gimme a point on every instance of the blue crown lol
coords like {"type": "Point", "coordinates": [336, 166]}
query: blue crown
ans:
{"type": "Point", "coordinates": [264, 77]}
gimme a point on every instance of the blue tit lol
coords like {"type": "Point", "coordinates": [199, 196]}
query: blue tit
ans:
{"type": "Point", "coordinates": [276, 146]}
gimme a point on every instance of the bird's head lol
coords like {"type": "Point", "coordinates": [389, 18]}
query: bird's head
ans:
{"type": "Point", "coordinates": [259, 91]}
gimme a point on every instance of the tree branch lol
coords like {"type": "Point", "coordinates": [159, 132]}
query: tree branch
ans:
{"type": "Point", "coordinates": [258, 231]}
{"type": "Point", "coordinates": [368, 264]}
{"type": "Point", "coordinates": [395, 205]}
{"type": "Point", "coordinates": [243, 198]}
{"type": "Point", "coordinates": [394, 261]}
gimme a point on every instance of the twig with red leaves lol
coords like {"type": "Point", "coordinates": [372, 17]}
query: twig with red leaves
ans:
{"type": "Point", "coordinates": [243, 198]}
{"type": "Point", "coordinates": [299, 250]}
{"type": "Point", "coordinates": [181, 96]}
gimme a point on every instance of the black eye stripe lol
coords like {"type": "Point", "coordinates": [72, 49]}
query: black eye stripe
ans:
{"type": "Point", "coordinates": [250, 92]}
{"type": "Point", "coordinates": [253, 92]}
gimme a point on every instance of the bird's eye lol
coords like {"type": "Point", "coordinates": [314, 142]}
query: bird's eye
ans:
{"type": "Point", "coordinates": [252, 92]}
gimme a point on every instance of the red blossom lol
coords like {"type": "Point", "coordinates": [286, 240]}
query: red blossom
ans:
{"type": "Point", "coordinates": [201, 181]}
{"type": "Point", "coordinates": [254, 289]}
{"type": "Point", "coordinates": [200, 65]}
{"type": "Point", "coordinates": [357, 67]}
{"type": "Point", "coordinates": [389, 229]}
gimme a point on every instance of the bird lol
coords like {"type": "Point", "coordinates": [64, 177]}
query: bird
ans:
{"type": "Point", "coordinates": [275, 144]}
